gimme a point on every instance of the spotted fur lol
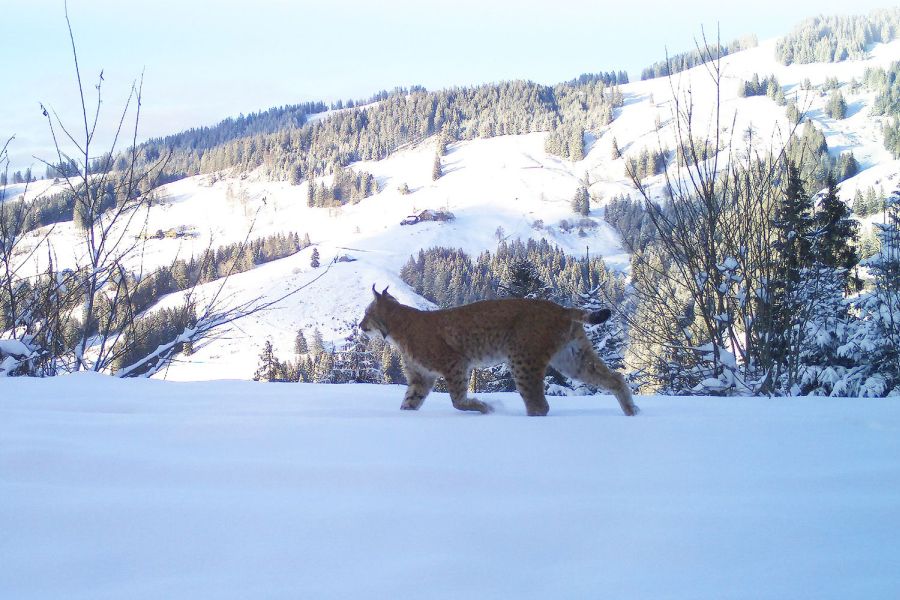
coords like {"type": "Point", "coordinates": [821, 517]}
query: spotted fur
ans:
{"type": "Point", "coordinates": [528, 335]}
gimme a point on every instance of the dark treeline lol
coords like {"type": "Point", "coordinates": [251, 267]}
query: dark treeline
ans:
{"type": "Point", "coordinates": [649, 162]}
{"type": "Point", "coordinates": [376, 97]}
{"type": "Point", "coordinates": [837, 38]}
{"type": "Point", "coordinates": [162, 325]}
{"type": "Point", "coordinates": [692, 58]}
{"type": "Point", "coordinates": [584, 106]}
{"type": "Point", "coordinates": [886, 85]}
{"type": "Point", "coordinates": [868, 203]}
{"type": "Point", "coordinates": [768, 86]}
{"type": "Point", "coordinates": [359, 360]}
{"type": "Point", "coordinates": [157, 327]}
{"type": "Point", "coordinates": [566, 141]}
{"type": "Point", "coordinates": [197, 140]}
{"type": "Point", "coordinates": [61, 207]}
{"type": "Point", "coordinates": [808, 150]}
{"type": "Point", "coordinates": [605, 77]}
{"type": "Point", "coordinates": [631, 221]}
{"type": "Point", "coordinates": [297, 151]}
{"type": "Point", "coordinates": [450, 277]}
{"type": "Point", "coordinates": [348, 186]}
{"type": "Point", "coordinates": [142, 331]}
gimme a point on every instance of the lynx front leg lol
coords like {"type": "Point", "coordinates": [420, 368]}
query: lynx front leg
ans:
{"type": "Point", "coordinates": [420, 385]}
{"type": "Point", "coordinates": [578, 360]}
{"type": "Point", "coordinates": [457, 385]}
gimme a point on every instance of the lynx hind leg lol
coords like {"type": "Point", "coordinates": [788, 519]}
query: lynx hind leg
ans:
{"type": "Point", "coordinates": [578, 360]}
{"type": "Point", "coordinates": [419, 387]}
{"type": "Point", "coordinates": [458, 386]}
{"type": "Point", "coordinates": [530, 384]}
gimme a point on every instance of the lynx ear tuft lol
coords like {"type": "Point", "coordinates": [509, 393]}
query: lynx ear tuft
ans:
{"type": "Point", "coordinates": [375, 293]}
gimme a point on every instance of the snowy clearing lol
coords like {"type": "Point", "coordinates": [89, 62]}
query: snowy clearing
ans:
{"type": "Point", "coordinates": [153, 489]}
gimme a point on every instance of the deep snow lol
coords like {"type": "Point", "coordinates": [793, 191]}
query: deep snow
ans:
{"type": "Point", "coordinates": [152, 489]}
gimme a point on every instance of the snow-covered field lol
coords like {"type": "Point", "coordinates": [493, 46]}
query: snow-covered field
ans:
{"type": "Point", "coordinates": [151, 489]}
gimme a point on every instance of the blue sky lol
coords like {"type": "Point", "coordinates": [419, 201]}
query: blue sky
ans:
{"type": "Point", "coordinates": [203, 60]}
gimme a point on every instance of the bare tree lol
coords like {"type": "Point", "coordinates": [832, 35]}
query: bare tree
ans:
{"type": "Point", "coordinates": [95, 315]}
{"type": "Point", "coordinates": [699, 285]}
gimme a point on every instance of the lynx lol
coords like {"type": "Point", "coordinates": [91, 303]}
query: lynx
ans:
{"type": "Point", "coordinates": [528, 335]}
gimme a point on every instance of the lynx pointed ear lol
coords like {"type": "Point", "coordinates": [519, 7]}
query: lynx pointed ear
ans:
{"type": "Point", "coordinates": [375, 293]}
{"type": "Point", "coordinates": [384, 291]}
{"type": "Point", "coordinates": [385, 294]}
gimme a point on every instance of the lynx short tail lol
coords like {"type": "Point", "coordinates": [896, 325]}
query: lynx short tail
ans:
{"type": "Point", "coordinates": [594, 317]}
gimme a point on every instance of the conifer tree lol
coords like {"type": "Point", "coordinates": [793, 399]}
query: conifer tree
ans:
{"type": "Point", "coordinates": [269, 367]}
{"type": "Point", "coordinates": [296, 174]}
{"type": "Point", "coordinates": [836, 232]}
{"type": "Point", "coordinates": [581, 202]}
{"type": "Point", "coordinates": [391, 370]}
{"type": "Point", "coordinates": [875, 335]}
{"type": "Point", "coordinates": [300, 345]}
{"type": "Point", "coordinates": [318, 344]}
{"type": "Point", "coordinates": [436, 171]}
{"type": "Point", "coordinates": [314, 259]}
{"type": "Point", "coordinates": [837, 106]}
{"type": "Point", "coordinates": [794, 221]}
{"type": "Point", "coordinates": [788, 303]}
{"type": "Point", "coordinates": [520, 280]}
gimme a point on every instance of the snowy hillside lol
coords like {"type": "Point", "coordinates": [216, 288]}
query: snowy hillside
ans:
{"type": "Point", "coordinates": [506, 184]}
{"type": "Point", "coordinates": [149, 489]}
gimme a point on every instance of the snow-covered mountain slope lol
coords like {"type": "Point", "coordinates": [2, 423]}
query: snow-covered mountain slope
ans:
{"type": "Point", "coordinates": [150, 489]}
{"type": "Point", "coordinates": [505, 184]}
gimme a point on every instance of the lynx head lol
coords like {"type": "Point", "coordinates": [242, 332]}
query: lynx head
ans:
{"type": "Point", "coordinates": [373, 322]}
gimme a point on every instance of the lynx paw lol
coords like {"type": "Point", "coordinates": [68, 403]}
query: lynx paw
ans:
{"type": "Point", "coordinates": [485, 408]}
{"type": "Point", "coordinates": [482, 407]}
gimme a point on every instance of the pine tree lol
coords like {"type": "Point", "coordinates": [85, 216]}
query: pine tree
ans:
{"type": "Point", "coordinates": [436, 171]}
{"type": "Point", "coordinates": [576, 143]}
{"type": "Point", "coordinates": [314, 259]}
{"type": "Point", "coordinates": [837, 106]}
{"type": "Point", "coordinates": [836, 232]}
{"type": "Point", "coordinates": [781, 301]}
{"type": "Point", "coordinates": [794, 222]}
{"type": "Point", "coordinates": [847, 166]}
{"type": "Point", "coordinates": [520, 280]}
{"type": "Point", "coordinates": [269, 368]}
{"type": "Point", "coordinates": [300, 345]}
{"type": "Point", "coordinates": [581, 202]}
{"type": "Point", "coordinates": [318, 343]}
{"type": "Point", "coordinates": [323, 367]}
{"type": "Point", "coordinates": [296, 174]}
{"type": "Point", "coordinates": [616, 153]}
{"type": "Point", "coordinates": [391, 370]}
{"type": "Point", "coordinates": [859, 208]}
{"type": "Point", "coordinates": [875, 335]}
